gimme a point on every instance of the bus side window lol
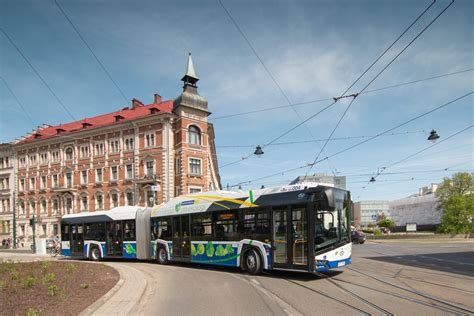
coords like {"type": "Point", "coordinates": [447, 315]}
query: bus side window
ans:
{"type": "Point", "coordinates": [162, 229]}
{"type": "Point", "coordinates": [201, 226]}
{"type": "Point", "coordinates": [129, 230]}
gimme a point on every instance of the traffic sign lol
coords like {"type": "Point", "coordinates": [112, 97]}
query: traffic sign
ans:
{"type": "Point", "coordinates": [156, 187]}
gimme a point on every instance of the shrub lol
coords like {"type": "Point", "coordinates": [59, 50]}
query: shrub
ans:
{"type": "Point", "coordinates": [53, 289]}
{"type": "Point", "coordinates": [377, 232]}
{"type": "Point", "coordinates": [32, 311]}
{"type": "Point", "coordinates": [15, 275]}
{"type": "Point", "coordinates": [49, 278]}
{"type": "Point", "coordinates": [70, 267]}
{"type": "Point", "coordinates": [28, 282]}
{"type": "Point", "coordinates": [45, 264]}
{"type": "Point", "coordinates": [85, 285]}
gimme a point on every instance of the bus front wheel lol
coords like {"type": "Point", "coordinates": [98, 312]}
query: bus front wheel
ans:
{"type": "Point", "coordinates": [95, 254]}
{"type": "Point", "coordinates": [162, 256]}
{"type": "Point", "coordinates": [253, 262]}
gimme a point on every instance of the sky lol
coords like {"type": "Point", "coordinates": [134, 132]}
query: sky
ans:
{"type": "Point", "coordinates": [293, 51]}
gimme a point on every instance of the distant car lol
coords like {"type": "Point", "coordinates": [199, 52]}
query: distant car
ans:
{"type": "Point", "coordinates": [358, 237]}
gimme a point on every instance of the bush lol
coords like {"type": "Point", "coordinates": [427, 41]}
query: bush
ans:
{"type": "Point", "coordinates": [49, 278]}
{"type": "Point", "coordinates": [85, 285]}
{"type": "Point", "coordinates": [387, 223]}
{"type": "Point", "coordinates": [15, 275]}
{"type": "Point", "coordinates": [53, 289]}
{"type": "Point", "coordinates": [70, 267]}
{"type": "Point", "coordinates": [32, 311]}
{"type": "Point", "coordinates": [45, 264]}
{"type": "Point", "coordinates": [378, 232]}
{"type": "Point", "coordinates": [28, 282]}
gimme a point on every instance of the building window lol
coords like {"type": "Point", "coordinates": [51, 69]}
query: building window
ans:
{"type": "Point", "coordinates": [149, 168]}
{"type": "Point", "coordinates": [32, 183]}
{"type": "Point", "coordinates": [22, 184]}
{"type": "Point", "coordinates": [68, 205]}
{"type": "Point", "coordinates": [55, 206]}
{"type": "Point", "coordinates": [99, 201]}
{"type": "Point", "coordinates": [84, 205]}
{"type": "Point", "coordinates": [129, 198]}
{"type": "Point", "coordinates": [150, 198]}
{"type": "Point", "coordinates": [99, 149]}
{"type": "Point", "coordinates": [194, 135]}
{"type": "Point", "coordinates": [55, 156]}
{"type": "Point", "coordinates": [114, 199]}
{"type": "Point", "coordinates": [32, 207]}
{"type": "Point", "coordinates": [55, 181]}
{"type": "Point", "coordinates": [22, 162]}
{"type": "Point", "coordinates": [149, 140]}
{"type": "Point", "coordinates": [195, 189]}
{"type": "Point", "coordinates": [68, 179]}
{"type": "Point", "coordinates": [3, 183]}
{"type": "Point", "coordinates": [178, 166]}
{"type": "Point", "coordinates": [113, 173]}
{"type": "Point", "coordinates": [84, 152]}
{"type": "Point", "coordinates": [32, 159]}
{"type": "Point", "coordinates": [84, 177]}
{"type": "Point", "coordinates": [177, 191]}
{"type": "Point", "coordinates": [114, 146]}
{"type": "Point", "coordinates": [43, 183]}
{"type": "Point", "coordinates": [195, 166]}
{"type": "Point", "coordinates": [44, 208]}
{"type": "Point", "coordinates": [69, 153]}
{"type": "Point", "coordinates": [43, 158]}
{"type": "Point", "coordinates": [129, 171]}
{"type": "Point", "coordinates": [128, 143]}
{"type": "Point", "coordinates": [98, 175]}
{"type": "Point", "coordinates": [22, 207]}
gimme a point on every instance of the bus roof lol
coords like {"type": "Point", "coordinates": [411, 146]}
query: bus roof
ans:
{"type": "Point", "coordinates": [114, 214]}
{"type": "Point", "coordinates": [228, 200]}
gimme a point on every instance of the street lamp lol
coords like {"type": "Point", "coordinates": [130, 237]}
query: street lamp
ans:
{"type": "Point", "coordinates": [372, 179]}
{"type": "Point", "coordinates": [433, 136]}
{"type": "Point", "coordinates": [258, 151]}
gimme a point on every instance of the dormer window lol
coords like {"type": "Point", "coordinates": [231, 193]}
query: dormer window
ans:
{"type": "Point", "coordinates": [60, 130]}
{"type": "Point", "coordinates": [118, 118]}
{"type": "Point", "coordinates": [154, 110]}
{"type": "Point", "coordinates": [86, 125]}
{"type": "Point", "coordinates": [37, 135]}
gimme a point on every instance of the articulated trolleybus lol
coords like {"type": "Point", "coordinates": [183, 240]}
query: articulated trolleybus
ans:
{"type": "Point", "coordinates": [294, 227]}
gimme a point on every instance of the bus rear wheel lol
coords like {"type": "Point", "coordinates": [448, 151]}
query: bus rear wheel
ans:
{"type": "Point", "coordinates": [95, 254]}
{"type": "Point", "coordinates": [162, 256]}
{"type": "Point", "coordinates": [253, 262]}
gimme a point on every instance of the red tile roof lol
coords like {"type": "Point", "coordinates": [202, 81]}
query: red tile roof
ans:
{"type": "Point", "coordinates": [128, 114]}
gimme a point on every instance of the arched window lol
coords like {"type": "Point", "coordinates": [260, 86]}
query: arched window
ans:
{"type": "Point", "coordinates": [114, 199]}
{"type": "Point", "coordinates": [69, 153]}
{"type": "Point", "coordinates": [84, 202]}
{"type": "Point", "coordinates": [99, 201]}
{"type": "Point", "coordinates": [21, 205]}
{"type": "Point", "coordinates": [194, 135]}
{"type": "Point", "coordinates": [55, 205]}
{"type": "Point", "coordinates": [43, 206]}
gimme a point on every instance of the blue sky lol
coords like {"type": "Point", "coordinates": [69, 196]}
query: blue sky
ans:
{"type": "Point", "coordinates": [313, 49]}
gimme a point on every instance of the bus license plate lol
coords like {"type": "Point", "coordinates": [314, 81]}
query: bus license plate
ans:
{"type": "Point", "coordinates": [341, 264]}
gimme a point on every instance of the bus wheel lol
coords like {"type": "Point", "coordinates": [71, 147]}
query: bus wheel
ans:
{"type": "Point", "coordinates": [95, 254]}
{"type": "Point", "coordinates": [253, 262]}
{"type": "Point", "coordinates": [162, 256]}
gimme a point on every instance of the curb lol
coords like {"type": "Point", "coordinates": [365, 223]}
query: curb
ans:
{"type": "Point", "coordinates": [102, 300]}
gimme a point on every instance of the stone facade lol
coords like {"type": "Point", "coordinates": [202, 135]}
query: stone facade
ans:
{"type": "Point", "coordinates": [7, 182]}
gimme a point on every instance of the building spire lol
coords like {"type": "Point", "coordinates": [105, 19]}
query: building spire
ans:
{"type": "Point", "coordinates": [190, 77]}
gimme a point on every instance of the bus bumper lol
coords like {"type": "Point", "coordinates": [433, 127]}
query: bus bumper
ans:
{"type": "Point", "coordinates": [336, 258]}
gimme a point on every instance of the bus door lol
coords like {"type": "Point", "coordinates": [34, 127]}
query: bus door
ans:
{"type": "Point", "coordinates": [77, 240]}
{"type": "Point", "coordinates": [114, 240]}
{"type": "Point", "coordinates": [290, 238]}
{"type": "Point", "coordinates": [181, 238]}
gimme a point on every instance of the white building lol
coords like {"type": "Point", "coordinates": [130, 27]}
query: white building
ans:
{"type": "Point", "coordinates": [336, 181]}
{"type": "Point", "coordinates": [367, 212]}
{"type": "Point", "coordinates": [6, 190]}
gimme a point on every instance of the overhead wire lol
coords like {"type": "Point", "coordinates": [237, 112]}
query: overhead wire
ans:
{"type": "Point", "coordinates": [366, 140]}
{"type": "Point", "coordinates": [38, 74]}
{"type": "Point", "coordinates": [17, 100]}
{"type": "Point", "coordinates": [91, 51]}
{"type": "Point", "coordinates": [381, 71]}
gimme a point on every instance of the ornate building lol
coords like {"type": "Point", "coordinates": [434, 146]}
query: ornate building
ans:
{"type": "Point", "coordinates": [6, 190]}
{"type": "Point", "coordinates": [140, 155]}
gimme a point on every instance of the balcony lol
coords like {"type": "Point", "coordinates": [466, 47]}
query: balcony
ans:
{"type": "Point", "coordinates": [148, 179]}
{"type": "Point", "coordinates": [64, 189]}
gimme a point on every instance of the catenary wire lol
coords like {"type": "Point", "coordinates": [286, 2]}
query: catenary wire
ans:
{"type": "Point", "coordinates": [92, 52]}
{"type": "Point", "coordinates": [379, 73]}
{"type": "Point", "coordinates": [273, 79]}
{"type": "Point", "coordinates": [329, 99]}
{"type": "Point", "coordinates": [365, 140]}
{"type": "Point", "coordinates": [17, 100]}
{"type": "Point", "coordinates": [38, 74]}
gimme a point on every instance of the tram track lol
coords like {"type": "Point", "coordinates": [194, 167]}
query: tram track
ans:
{"type": "Point", "coordinates": [451, 307]}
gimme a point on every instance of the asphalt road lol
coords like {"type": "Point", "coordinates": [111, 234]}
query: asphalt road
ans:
{"type": "Point", "coordinates": [385, 278]}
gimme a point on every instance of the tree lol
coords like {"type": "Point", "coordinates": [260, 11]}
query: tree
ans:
{"type": "Point", "coordinates": [387, 223]}
{"type": "Point", "coordinates": [456, 201]}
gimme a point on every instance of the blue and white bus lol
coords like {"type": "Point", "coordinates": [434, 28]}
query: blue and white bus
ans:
{"type": "Point", "coordinates": [294, 227]}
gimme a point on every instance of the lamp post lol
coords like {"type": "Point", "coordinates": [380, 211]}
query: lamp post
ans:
{"type": "Point", "coordinates": [33, 224]}
{"type": "Point", "coordinates": [14, 222]}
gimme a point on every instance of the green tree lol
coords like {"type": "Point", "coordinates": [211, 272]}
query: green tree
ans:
{"type": "Point", "coordinates": [456, 201]}
{"type": "Point", "coordinates": [387, 223]}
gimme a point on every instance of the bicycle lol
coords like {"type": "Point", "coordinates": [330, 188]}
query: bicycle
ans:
{"type": "Point", "coordinates": [54, 250]}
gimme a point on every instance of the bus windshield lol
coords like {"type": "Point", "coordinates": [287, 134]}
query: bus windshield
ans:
{"type": "Point", "coordinates": [330, 227]}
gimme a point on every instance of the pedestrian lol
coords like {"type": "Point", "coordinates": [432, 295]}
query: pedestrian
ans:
{"type": "Point", "coordinates": [3, 242]}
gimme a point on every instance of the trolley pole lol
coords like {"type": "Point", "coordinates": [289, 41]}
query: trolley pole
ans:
{"type": "Point", "coordinates": [14, 222]}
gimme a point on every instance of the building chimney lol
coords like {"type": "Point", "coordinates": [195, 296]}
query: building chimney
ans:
{"type": "Point", "coordinates": [157, 99]}
{"type": "Point", "coordinates": [136, 103]}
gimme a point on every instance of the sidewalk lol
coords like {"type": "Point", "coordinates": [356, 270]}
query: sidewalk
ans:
{"type": "Point", "coordinates": [19, 255]}
{"type": "Point", "coordinates": [124, 296]}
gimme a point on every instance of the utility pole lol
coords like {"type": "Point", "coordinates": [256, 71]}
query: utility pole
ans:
{"type": "Point", "coordinates": [14, 222]}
